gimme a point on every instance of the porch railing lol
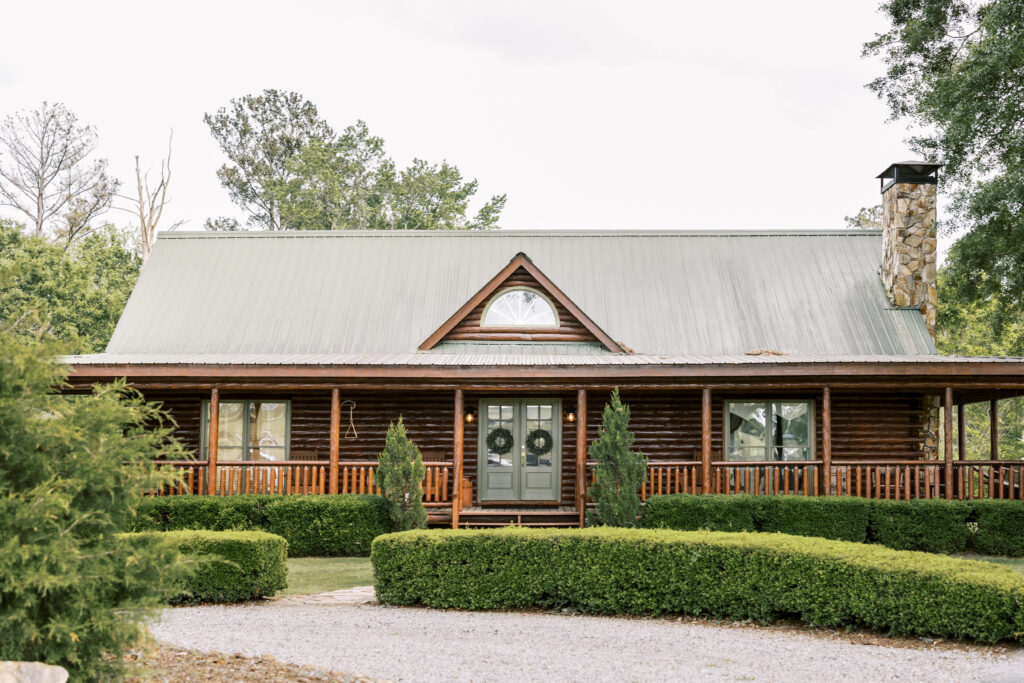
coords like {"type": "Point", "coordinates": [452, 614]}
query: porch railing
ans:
{"type": "Point", "coordinates": [886, 480]}
{"type": "Point", "coordinates": [298, 477]}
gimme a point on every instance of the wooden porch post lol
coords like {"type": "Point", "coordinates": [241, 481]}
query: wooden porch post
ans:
{"type": "Point", "coordinates": [705, 440]}
{"type": "Point", "coordinates": [581, 454]}
{"type": "Point", "coordinates": [961, 433]}
{"type": "Point", "coordinates": [826, 440]}
{"type": "Point", "coordinates": [947, 432]}
{"type": "Point", "coordinates": [457, 458]}
{"type": "Point", "coordinates": [993, 431]}
{"type": "Point", "coordinates": [335, 437]}
{"type": "Point", "coordinates": [212, 441]}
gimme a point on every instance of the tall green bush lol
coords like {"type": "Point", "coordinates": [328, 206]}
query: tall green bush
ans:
{"type": "Point", "coordinates": [729, 575]}
{"type": "Point", "coordinates": [619, 471]}
{"type": "Point", "coordinates": [72, 469]}
{"type": "Point", "coordinates": [400, 472]}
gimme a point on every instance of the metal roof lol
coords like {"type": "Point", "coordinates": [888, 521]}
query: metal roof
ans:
{"type": "Point", "coordinates": [661, 293]}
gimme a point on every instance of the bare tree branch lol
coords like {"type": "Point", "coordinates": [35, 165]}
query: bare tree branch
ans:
{"type": "Point", "coordinates": [149, 203]}
{"type": "Point", "coordinates": [45, 174]}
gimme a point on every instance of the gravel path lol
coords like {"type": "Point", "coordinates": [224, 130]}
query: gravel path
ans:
{"type": "Point", "coordinates": [405, 644]}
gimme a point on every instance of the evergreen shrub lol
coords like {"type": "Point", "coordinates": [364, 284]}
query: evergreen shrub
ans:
{"type": "Point", "coordinates": [400, 472]}
{"type": "Point", "coordinates": [726, 575]}
{"type": "Point", "coordinates": [619, 471]}
{"type": "Point", "coordinates": [938, 526]}
{"type": "Point", "coordinates": [326, 526]}
{"type": "Point", "coordinates": [230, 566]}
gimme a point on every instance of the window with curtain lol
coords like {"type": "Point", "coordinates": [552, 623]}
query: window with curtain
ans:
{"type": "Point", "coordinates": [250, 430]}
{"type": "Point", "coordinates": [766, 430]}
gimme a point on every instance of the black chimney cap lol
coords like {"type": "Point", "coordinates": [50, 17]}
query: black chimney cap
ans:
{"type": "Point", "coordinates": [922, 172]}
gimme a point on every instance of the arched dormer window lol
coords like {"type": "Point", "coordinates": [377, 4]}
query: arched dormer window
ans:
{"type": "Point", "coordinates": [520, 307]}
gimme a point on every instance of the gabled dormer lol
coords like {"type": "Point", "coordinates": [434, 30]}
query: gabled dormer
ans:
{"type": "Point", "coordinates": [520, 304]}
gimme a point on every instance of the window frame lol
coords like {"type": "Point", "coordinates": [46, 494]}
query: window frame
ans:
{"type": "Point", "coordinates": [204, 429]}
{"type": "Point", "coordinates": [812, 427]}
{"type": "Point", "coordinates": [521, 288]}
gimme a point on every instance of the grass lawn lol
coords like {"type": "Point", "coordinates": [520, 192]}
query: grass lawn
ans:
{"type": "Point", "coordinates": [1014, 563]}
{"type": "Point", "coordinates": [321, 574]}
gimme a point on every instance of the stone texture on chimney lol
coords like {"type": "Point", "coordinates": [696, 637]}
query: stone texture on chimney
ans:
{"type": "Point", "coordinates": [909, 248]}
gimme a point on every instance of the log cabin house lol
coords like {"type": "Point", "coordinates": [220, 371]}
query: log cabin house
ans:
{"type": "Point", "coordinates": [783, 362]}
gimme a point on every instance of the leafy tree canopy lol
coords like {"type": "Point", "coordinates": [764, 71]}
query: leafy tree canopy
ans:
{"type": "Point", "coordinates": [289, 170]}
{"type": "Point", "coordinates": [74, 296]}
{"type": "Point", "coordinates": [955, 69]}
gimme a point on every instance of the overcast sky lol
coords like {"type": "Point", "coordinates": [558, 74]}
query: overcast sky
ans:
{"type": "Point", "coordinates": [587, 114]}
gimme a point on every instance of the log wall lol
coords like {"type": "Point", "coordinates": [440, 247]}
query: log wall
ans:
{"type": "Point", "coordinates": [880, 426]}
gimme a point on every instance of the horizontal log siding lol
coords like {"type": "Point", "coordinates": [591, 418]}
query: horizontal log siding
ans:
{"type": "Point", "coordinates": [569, 328]}
{"type": "Point", "coordinates": [666, 425]}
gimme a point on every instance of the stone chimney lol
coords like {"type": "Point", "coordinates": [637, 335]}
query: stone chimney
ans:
{"type": "Point", "coordinates": [909, 237]}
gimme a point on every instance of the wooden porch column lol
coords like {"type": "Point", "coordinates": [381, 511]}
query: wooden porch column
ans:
{"type": "Point", "coordinates": [826, 441]}
{"type": "Point", "coordinates": [961, 433]}
{"type": "Point", "coordinates": [457, 458]}
{"type": "Point", "coordinates": [581, 454]}
{"type": "Point", "coordinates": [993, 430]}
{"type": "Point", "coordinates": [212, 441]}
{"type": "Point", "coordinates": [335, 437]}
{"type": "Point", "coordinates": [947, 433]}
{"type": "Point", "coordinates": [705, 440]}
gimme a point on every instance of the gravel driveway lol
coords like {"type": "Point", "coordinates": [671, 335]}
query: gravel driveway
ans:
{"type": "Point", "coordinates": [405, 644]}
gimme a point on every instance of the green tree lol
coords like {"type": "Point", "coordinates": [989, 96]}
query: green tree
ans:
{"type": "Point", "coordinates": [290, 171]}
{"type": "Point", "coordinates": [989, 326]}
{"type": "Point", "coordinates": [955, 70]}
{"type": "Point", "coordinates": [619, 471]}
{"type": "Point", "coordinates": [72, 470]}
{"type": "Point", "coordinates": [74, 296]}
{"type": "Point", "coordinates": [261, 134]}
{"type": "Point", "coordinates": [868, 218]}
{"type": "Point", "coordinates": [400, 472]}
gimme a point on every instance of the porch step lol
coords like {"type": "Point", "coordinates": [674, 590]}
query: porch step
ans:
{"type": "Point", "coordinates": [497, 517]}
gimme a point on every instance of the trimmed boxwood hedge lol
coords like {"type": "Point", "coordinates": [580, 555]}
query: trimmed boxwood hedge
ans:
{"type": "Point", "coordinates": [232, 566]}
{"type": "Point", "coordinates": [326, 526]}
{"type": "Point", "coordinates": [939, 526]}
{"type": "Point", "coordinates": [729, 575]}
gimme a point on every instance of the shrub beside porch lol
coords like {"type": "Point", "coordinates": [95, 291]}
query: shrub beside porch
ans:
{"type": "Point", "coordinates": [730, 575]}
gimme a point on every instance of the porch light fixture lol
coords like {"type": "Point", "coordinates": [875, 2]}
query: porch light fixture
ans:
{"type": "Point", "coordinates": [470, 417]}
{"type": "Point", "coordinates": [570, 417]}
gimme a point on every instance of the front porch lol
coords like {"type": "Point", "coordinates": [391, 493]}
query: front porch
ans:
{"type": "Point", "coordinates": [862, 442]}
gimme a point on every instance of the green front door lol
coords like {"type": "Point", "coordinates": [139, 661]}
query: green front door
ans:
{"type": "Point", "coordinates": [520, 449]}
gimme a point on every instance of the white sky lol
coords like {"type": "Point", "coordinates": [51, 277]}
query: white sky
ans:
{"type": "Point", "coordinates": [587, 114]}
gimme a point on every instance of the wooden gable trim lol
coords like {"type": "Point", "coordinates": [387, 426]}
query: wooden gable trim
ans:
{"type": "Point", "coordinates": [523, 261]}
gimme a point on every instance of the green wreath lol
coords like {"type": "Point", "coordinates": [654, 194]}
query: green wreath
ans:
{"type": "Point", "coordinates": [539, 442]}
{"type": "Point", "coordinates": [499, 441]}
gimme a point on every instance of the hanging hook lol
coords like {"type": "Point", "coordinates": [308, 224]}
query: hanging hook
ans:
{"type": "Point", "coordinates": [351, 422]}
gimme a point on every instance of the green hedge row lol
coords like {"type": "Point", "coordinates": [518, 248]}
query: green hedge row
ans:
{"type": "Point", "coordinates": [729, 575]}
{"type": "Point", "coordinates": [994, 527]}
{"type": "Point", "coordinates": [231, 566]}
{"type": "Point", "coordinates": [328, 526]}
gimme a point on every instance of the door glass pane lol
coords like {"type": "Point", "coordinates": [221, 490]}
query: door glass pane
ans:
{"type": "Point", "coordinates": [540, 439]}
{"type": "Point", "coordinates": [267, 430]}
{"type": "Point", "coordinates": [791, 430]}
{"type": "Point", "coordinates": [747, 427]}
{"type": "Point", "coordinates": [500, 435]}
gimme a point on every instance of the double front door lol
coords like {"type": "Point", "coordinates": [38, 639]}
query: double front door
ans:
{"type": "Point", "coordinates": [520, 449]}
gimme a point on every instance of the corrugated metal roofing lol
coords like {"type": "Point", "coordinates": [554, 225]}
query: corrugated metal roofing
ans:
{"type": "Point", "coordinates": [675, 293]}
{"type": "Point", "coordinates": [483, 359]}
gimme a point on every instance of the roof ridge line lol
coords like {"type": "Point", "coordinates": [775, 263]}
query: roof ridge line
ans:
{"type": "Point", "coordinates": [533, 232]}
